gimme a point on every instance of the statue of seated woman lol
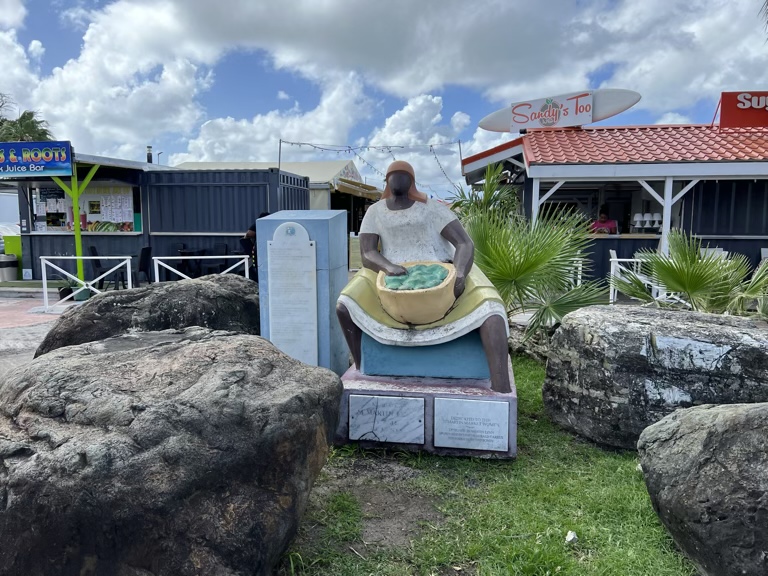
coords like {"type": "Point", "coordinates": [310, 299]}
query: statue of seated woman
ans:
{"type": "Point", "coordinates": [410, 227]}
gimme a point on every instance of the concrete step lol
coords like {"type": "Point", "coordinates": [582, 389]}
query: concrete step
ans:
{"type": "Point", "coordinates": [14, 292]}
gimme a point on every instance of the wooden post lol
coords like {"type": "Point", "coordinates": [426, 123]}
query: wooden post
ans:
{"type": "Point", "coordinates": [666, 217]}
{"type": "Point", "coordinates": [74, 190]}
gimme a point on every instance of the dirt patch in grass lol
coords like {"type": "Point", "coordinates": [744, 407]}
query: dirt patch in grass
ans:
{"type": "Point", "coordinates": [392, 514]}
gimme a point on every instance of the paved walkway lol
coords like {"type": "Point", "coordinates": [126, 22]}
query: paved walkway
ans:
{"type": "Point", "coordinates": [21, 331]}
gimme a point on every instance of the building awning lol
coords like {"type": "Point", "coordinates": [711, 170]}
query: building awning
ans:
{"type": "Point", "coordinates": [359, 189]}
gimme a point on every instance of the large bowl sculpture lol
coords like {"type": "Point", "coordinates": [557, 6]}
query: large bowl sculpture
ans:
{"type": "Point", "coordinates": [423, 306]}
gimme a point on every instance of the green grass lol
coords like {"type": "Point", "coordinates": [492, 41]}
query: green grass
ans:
{"type": "Point", "coordinates": [508, 517]}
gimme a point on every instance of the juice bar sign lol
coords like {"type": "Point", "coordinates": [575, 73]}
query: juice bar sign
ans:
{"type": "Point", "coordinates": [35, 159]}
{"type": "Point", "coordinates": [744, 109]}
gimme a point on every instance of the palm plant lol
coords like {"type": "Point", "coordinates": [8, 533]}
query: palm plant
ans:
{"type": "Point", "coordinates": [708, 282]}
{"type": "Point", "coordinates": [533, 266]}
{"type": "Point", "coordinates": [26, 128]}
{"type": "Point", "coordinates": [494, 194]}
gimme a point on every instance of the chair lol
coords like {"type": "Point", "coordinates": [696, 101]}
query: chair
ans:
{"type": "Point", "coordinates": [763, 256]}
{"type": "Point", "coordinates": [659, 292]}
{"type": "Point", "coordinates": [144, 267]}
{"type": "Point", "coordinates": [214, 266]}
{"type": "Point", "coordinates": [115, 277]}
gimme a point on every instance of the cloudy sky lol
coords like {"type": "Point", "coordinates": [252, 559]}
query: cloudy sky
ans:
{"type": "Point", "coordinates": [225, 80]}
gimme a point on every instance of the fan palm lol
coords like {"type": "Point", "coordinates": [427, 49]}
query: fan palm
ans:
{"type": "Point", "coordinates": [702, 282]}
{"type": "Point", "coordinates": [534, 266]}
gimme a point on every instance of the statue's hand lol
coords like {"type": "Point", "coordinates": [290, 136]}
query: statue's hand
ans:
{"type": "Point", "coordinates": [395, 270]}
{"type": "Point", "coordinates": [458, 287]}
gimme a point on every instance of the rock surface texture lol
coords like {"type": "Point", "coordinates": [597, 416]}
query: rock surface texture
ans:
{"type": "Point", "coordinates": [614, 370]}
{"type": "Point", "coordinates": [706, 469]}
{"type": "Point", "coordinates": [535, 346]}
{"type": "Point", "coordinates": [219, 302]}
{"type": "Point", "coordinates": [158, 454]}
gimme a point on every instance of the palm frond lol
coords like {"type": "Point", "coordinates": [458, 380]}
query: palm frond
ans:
{"type": "Point", "coordinates": [632, 286]}
{"type": "Point", "coordinates": [706, 282]}
{"type": "Point", "coordinates": [494, 194]}
{"type": "Point", "coordinates": [551, 306]}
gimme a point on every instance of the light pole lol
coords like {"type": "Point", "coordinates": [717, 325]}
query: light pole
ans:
{"type": "Point", "coordinates": [158, 157]}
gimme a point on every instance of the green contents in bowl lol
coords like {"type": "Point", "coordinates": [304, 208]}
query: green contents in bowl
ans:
{"type": "Point", "coordinates": [419, 277]}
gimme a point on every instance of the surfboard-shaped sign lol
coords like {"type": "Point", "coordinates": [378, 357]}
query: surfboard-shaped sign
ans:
{"type": "Point", "coordinates": [574, 109]}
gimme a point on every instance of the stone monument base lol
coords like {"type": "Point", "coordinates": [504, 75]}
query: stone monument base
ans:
{"type": "Point", "coordinates": [446, 416]}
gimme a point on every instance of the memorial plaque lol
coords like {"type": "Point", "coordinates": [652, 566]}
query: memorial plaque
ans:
{"type": "Point", "coordinates": [471, 424]}
{"type": "Point", "coordinates": [291, 262]}
{"type": "Point", "coordinates": [386, 419]}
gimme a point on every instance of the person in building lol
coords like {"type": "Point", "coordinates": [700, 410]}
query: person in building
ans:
{"type": "Point", "coordinates": [603, 224]}
{"type": "Point", "coordinates": [251, 232]}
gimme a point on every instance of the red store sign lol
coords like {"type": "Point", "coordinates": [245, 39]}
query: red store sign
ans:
{"type": "Point", "coordinates": [744, 109]}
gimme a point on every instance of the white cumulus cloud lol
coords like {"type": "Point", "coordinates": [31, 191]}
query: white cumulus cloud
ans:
{"type": "Point", "coordinates": [12, 13]}
{"type": "Point", "coordinates": [35, 50]}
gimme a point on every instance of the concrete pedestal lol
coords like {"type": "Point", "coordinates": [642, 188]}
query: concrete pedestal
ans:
{"type": "Point", "coordinates": [447, 416]}
{"type": "Point", "coordinates": [460, 358]}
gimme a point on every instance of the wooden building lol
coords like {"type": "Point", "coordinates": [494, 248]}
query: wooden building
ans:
{"type": "Point", "coordinates": [706, 180]}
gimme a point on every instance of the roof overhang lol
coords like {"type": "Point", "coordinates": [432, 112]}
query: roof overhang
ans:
{"type": "Point", "coordinates": [118, 163]}
{"type": "Point", "coordinates": [473, 167]}
{"type": "Point", "coordinates": [650, 171]}
{"type": "Point", "coordinates": [359, 189]}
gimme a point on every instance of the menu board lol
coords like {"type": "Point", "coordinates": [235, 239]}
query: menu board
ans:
{"type": "Point", "coordinates": [109, 209]}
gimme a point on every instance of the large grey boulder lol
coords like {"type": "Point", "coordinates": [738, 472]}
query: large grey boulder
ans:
{"type": "Point", "coordinates": [706, 469]}
{"type": "Point", "coordinates": [614, 370]}
{"type": "Point", "coordinates": [220, 302]}
{"type": "Point", "coordinates": [159, 454]}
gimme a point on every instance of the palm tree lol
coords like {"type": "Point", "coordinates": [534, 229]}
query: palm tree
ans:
{"type": "Point", "coordinates": [533, 266]}
{"type": "Point", "coordinates": [701, 282]}
{"type": "Point", "coordinates": [764, 12]}
{"type": "Point", "coordinates": [28, 127]}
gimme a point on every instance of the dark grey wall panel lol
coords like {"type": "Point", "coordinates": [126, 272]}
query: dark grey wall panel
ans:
{"type": "Point", "coordinates": [220, 201]}
{"type": "Point", "coordinates": [64, 245]}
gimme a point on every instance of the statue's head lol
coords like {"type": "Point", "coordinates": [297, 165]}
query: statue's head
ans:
{"type": "Point", "coordinates": [401, 181]}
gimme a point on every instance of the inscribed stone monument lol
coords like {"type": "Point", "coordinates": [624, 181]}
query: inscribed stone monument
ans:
{"type": "Point", "coordinates": [291, 263]}
{"type": "Point", "coordinates": [327, 229]}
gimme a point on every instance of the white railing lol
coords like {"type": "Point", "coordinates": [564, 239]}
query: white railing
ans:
{"type": "Point", "coordinates": [621, 266]}
{"type": "Point", "coordinates": [160, 261]}
{"type": "Point", "coordinates": [45, 263]}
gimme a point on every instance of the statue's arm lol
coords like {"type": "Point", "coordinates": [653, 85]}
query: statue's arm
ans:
{"type": "Point", "coordinates": [372, 258]}
{"type": "Point", "coordinates": [465, 253]}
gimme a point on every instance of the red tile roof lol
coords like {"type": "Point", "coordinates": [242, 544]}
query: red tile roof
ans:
{"type": "Point", "coordinates": [645, 144]}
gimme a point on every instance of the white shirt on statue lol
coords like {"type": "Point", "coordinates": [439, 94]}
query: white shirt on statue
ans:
{"type": "Point", "coordinates": [412, 234]}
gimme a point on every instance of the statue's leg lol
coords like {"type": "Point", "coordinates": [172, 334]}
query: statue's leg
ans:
{"type": "Point", "coordinates": [352, 334]}
{"type": "Point", "coordinates": [494, 337]}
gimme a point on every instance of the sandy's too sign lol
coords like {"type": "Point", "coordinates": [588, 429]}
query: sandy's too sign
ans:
{"type": "Point", "coordinates": [34, 159]}
{"type": "Point", "coordinates": [574, 109]}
